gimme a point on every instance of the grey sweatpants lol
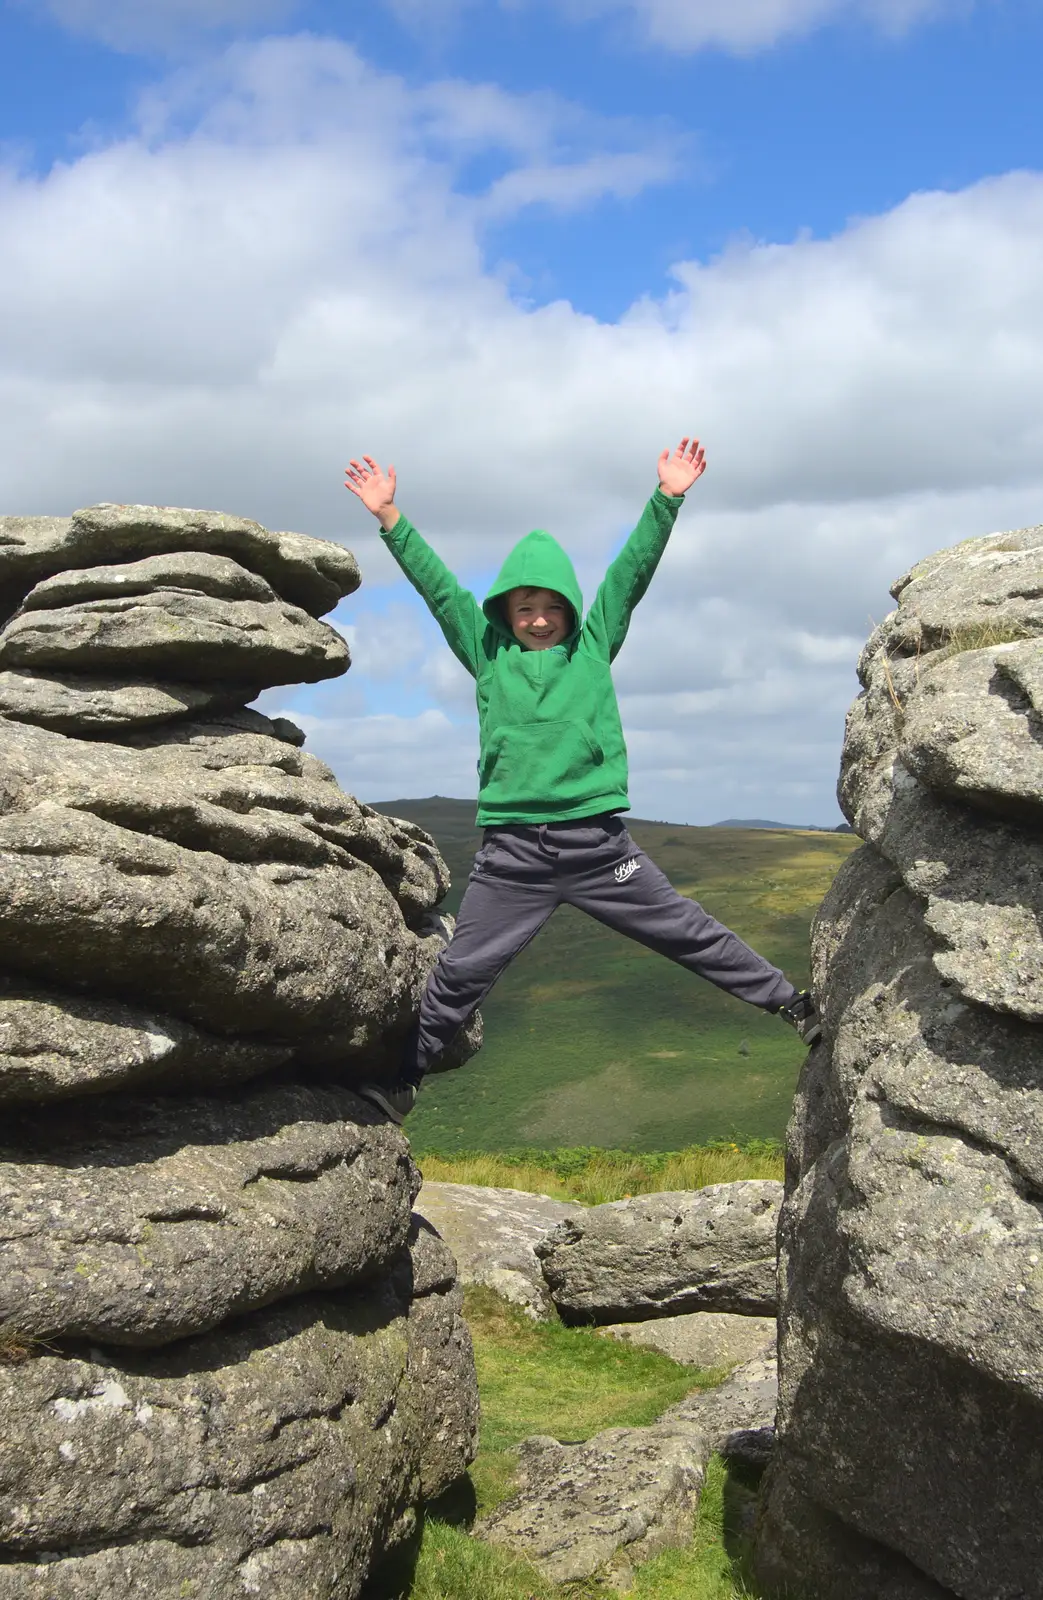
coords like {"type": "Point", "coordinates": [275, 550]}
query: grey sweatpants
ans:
{"type": "Point", "coordinates": [523, 873]}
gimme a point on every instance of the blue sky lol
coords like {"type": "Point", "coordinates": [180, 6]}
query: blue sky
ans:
{"type": "Point", "coordinates": [520, 248]}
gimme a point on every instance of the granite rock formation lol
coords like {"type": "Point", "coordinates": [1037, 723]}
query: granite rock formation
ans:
{"type": "Point", "coordinates": [911, 1236]}
{"type": "Point", "coordinates": [232, 1360]}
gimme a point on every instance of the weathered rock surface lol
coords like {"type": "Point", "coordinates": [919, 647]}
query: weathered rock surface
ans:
{"type": "Point", "coordinates": [209, 1208]}
{"type": "Point", "coordinates": [279, 950]}
{"type": "Point", "coordinates": [279, 1455]}
{"type": "Point", "coordinates": [310, 573]}
{"type": "Point", "coordinates": [182, 635]}
{"type": "Point", "coordinates": [974, 730]}
{"type": "Point", "coordinates": [222, 787]}
{"type": "Point", "coordinates": [993, 584]}
{"type": "Point", "coordinates": [738, 1417]}
{"type": "Point", "coordinates": [219, 876]}
{"type": "Point", "coordinates": [603, 1506]}
{"type": "Point", "coordinates": [54, 1046]}
{"type": "Point", "coordinates": [662, 1254]}
{"type": "Point", "coordinates": [244, 1367]}
{"type": "Point", "coordinates": [492, 1234]}
{"type": "Point", "coordinates": [90, 706]}
{"type": "Point", "coordinates": [700, 1338]}
{"type": "Point", "coordinates": [191, 570]}
{"type": "Point", "coordinates": [794, 1534]}
{"type": "Point", "coordinates": [911, 1267]}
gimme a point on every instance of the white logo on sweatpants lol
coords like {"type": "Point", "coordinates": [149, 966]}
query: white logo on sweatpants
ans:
{"type": "Point", "coordinates": [626, 869]}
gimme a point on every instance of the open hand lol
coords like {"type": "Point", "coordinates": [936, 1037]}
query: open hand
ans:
{"type": "Point", "coordinates": [374, 487]}
{"type": "Point", "coordinates": [677, 472]}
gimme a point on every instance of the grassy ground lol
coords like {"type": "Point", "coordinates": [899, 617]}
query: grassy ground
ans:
{"type": "Point", "coordinates": [595, 1176]}
{"type": "Point", "coordinates": [592, 1039]}
{"type": "Point", "coordinates": [569, 1382]}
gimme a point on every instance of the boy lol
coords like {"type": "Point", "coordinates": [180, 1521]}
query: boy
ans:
{"type": "Point", "coordinates": [553, 771]}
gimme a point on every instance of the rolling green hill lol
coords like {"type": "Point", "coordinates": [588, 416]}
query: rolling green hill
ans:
{"type": "Point", "coordinates": [592, 1040]}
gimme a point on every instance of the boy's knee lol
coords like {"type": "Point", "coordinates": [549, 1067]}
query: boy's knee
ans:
{"type": "Point", "coordinates": [456, 973]}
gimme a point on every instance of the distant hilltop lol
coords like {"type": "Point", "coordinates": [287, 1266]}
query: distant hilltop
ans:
{"type": "Point", "coordinates": [439, 808]}
{"type": "Point", "coordinates": [796, 827]}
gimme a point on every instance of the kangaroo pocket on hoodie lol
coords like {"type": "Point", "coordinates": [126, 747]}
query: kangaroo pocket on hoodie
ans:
{"type": "Point", "coordinates": [536, 759]}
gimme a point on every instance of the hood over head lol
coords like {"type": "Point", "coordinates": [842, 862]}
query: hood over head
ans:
{"type": "Point", "coordinates": [536, 562]}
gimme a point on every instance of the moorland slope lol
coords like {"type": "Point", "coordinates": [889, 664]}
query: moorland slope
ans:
{"type": "Point", "coordinates": [591, 1039]}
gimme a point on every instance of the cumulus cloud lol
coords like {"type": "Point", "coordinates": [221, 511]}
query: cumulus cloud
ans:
{"type": "Point", "coordinates": [285, 266]}
{"type": "Point", "coordinates": [681, 26]}
{"type": "Point", "coordinates": [134, 25]}
{"type": "Point", "coordinates": [685, 26]}
{"type": "Point", "coordinates": [744, 26]}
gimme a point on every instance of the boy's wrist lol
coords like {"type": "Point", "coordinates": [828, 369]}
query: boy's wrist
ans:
{"type": "Point", "coordinates": [389, 517]}
{"type": "Point", "coordinates": [675, 499]}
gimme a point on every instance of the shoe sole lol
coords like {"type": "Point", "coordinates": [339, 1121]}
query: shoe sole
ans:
{"type": "Point", "coordinates": [376, 1097]}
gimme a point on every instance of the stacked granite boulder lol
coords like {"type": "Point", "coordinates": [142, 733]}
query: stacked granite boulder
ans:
{"type": "Point", "coordinates": [911, 1237]}
{"type": "Point", "coordinates": [231, 1360]}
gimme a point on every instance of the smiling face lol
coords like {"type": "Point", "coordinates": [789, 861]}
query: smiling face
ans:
{"type": "Point", "coordinates": [538, 618]}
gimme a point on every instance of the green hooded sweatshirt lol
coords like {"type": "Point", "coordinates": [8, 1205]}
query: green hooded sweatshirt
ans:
{"type": "Point", "coordinates": [550, 739]}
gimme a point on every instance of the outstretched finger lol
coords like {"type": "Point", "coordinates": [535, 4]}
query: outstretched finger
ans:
{"type": "Point", "coordinates": [681, 448]}
{"type": "Point", "coordinates": [695, 452]}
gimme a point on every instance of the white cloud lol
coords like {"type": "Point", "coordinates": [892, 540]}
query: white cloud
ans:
{"type": "Point", "coordinates": [685, 26]}
{"type": "Point", "coordinates": [150, 24]}
{"type": "Point", "coordinates": [681, 26]}
{"type": "Point", "coordinates": [387, 757]}
{"type": "Point", "coordinates": [744, 26]}
{"type": "Point", "coordinates": [284, 269]}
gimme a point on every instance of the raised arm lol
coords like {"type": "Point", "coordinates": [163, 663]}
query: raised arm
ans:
{"type": "Point", "coordinates": [631, 572]}
{"type": "Point", "coordinates": [453, 607]}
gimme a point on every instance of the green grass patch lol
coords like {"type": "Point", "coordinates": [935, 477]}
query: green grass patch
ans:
{"type": "Point", "coordinates": [542, 1377]}
{"type": "Point", "coordinates": [980, 636]}
{"type": "Point", "coordinates": [594, 1176]}
{"type": "Point", "coordinates": [571, 1383]}
{"type": "Point", "coordinates": [591, 1038]}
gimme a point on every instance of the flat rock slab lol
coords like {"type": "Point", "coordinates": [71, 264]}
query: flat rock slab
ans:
{"type": "Point", "coordinates": [192, 570]}
{"type": "Point", "coordinates": [700, 1339]}
{"type": "Point", "coordinates": [138, 1222]}
{"type": "Point", "coordinates": [55, 1045]}
{"type": "Point", "coordinates": [311, 573]}
{"type": "Point", "coordinates": [491, 1232]}
{"type": "Point", "coordinates": [603, 1506]}
{"type": "Point", "coordinates": [658, 1255]}
{"type": "Point", "coordinates": [87, 705]}
{"type": "Point", "coordinates": [174, 633]}
{"type": "Point", "coordinates": [281, 1455]}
